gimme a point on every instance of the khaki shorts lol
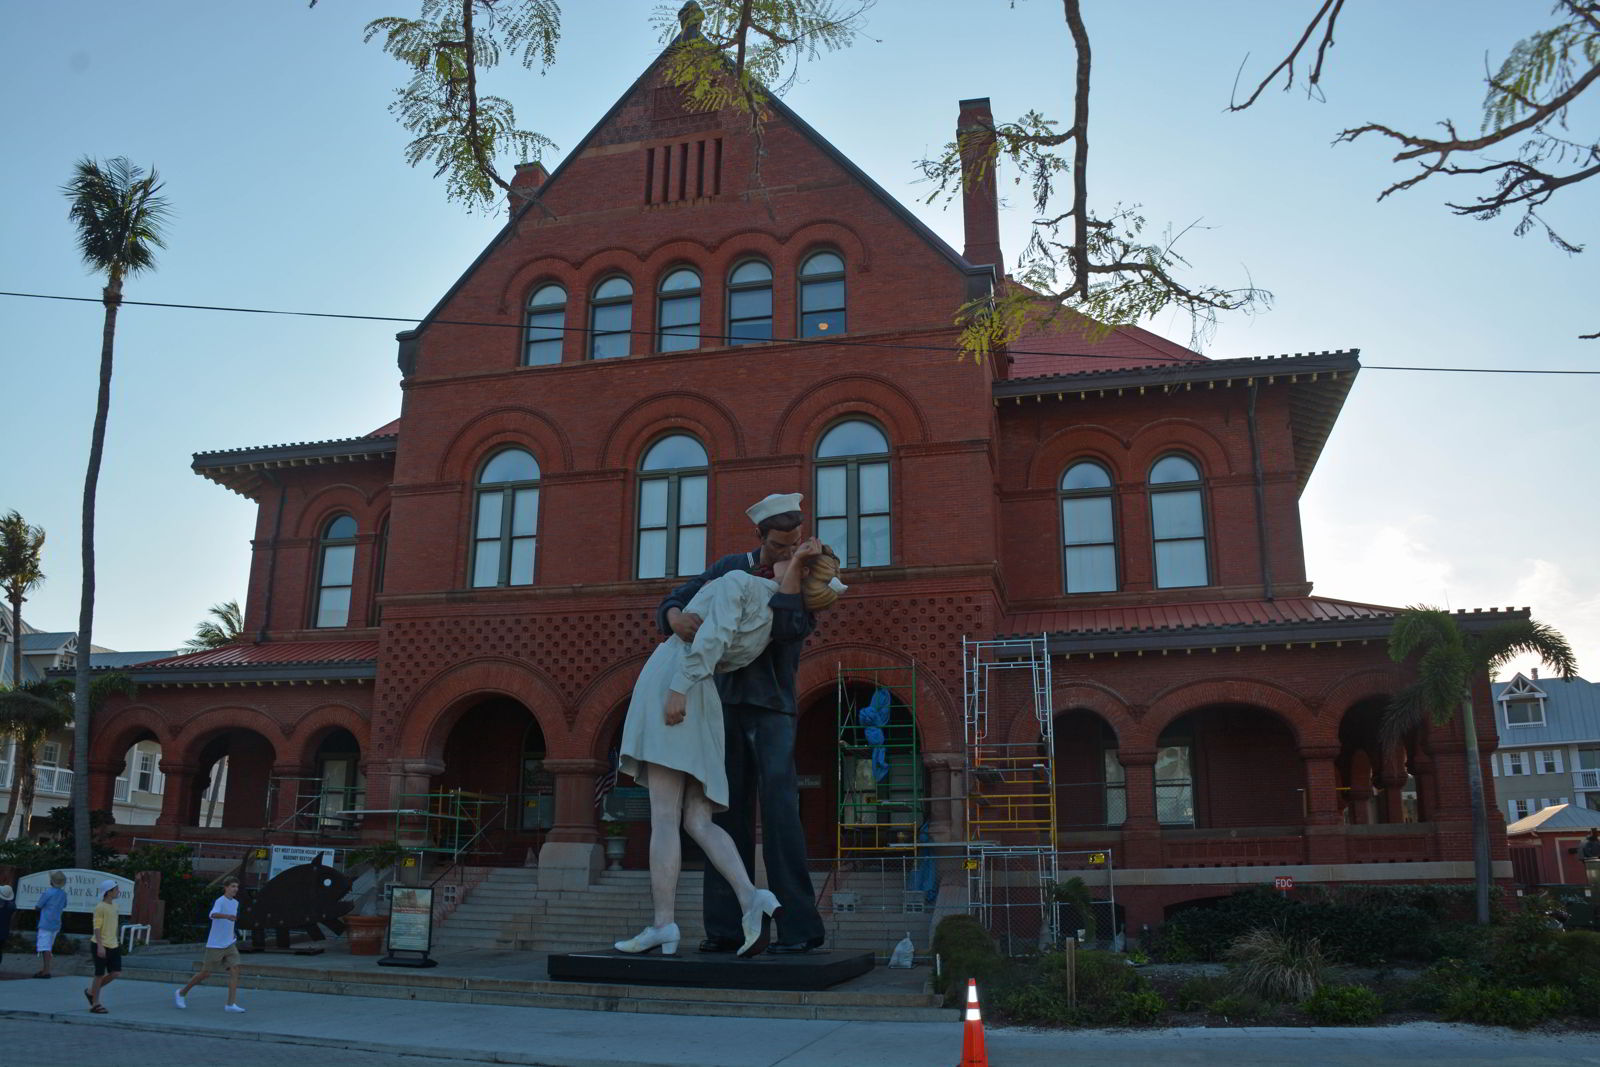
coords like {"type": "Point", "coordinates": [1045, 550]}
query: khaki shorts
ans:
{"type": "Point", "coordinates": [221, 957]}
{"type": "Point", "coordinates": [45, 940]}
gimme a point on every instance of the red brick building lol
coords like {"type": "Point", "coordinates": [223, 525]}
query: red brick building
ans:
{"type": "Point", "coordinates": [461, 599]}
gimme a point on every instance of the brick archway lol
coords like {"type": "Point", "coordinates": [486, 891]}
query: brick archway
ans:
{"type": "Point", "coordinates": [437, 706]}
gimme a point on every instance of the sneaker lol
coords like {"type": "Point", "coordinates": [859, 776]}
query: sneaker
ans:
{"type": "Point", "coordinates": [232, 1007]}
{"type": "Point", "coordinates": [177, 998]}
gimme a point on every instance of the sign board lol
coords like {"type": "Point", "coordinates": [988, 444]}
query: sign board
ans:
{"type": "Point", "coordinates": [286, 856]}
{"type": "Point", "coordinates": [1097, 859]}
{"type": "Point", "coordinates": [809, 781]}
{"type": "Point", "coordinates": [83, 890]}
{"type": "Point", "coordinates": [1283, 881]}
{"type": "Point", "coordinates": [410, 918]}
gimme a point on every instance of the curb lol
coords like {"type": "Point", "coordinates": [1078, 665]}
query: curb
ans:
{"type": "Point", "coordinates": [381, 1047]}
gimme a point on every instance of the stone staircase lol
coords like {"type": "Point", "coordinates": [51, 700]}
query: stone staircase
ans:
{"type": "Point", "coordinates": [508, 910]}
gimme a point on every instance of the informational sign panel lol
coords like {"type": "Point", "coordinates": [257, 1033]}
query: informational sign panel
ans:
{"type": "Point", "coordinates": [1283, 881]}
{"type": "Point", "coordinates": [410, 918]}
{"type": "Point", "coordinates": [286, 856]}
{"type": "Point", "coordinates": [83, 890]}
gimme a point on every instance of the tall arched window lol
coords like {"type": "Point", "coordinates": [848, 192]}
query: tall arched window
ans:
{"type": "Point", "coordinates": [547, 315]}
{"type": "Point", "coordinates": [672, 508]}
{"type": "Point", "coordinates": [505, 527]}
{"type": "Point", "coordinates": [1088, 531]}
{"type": "Point", "coordinates": [750, 303]}
{"type": "Point", "coordinates": [1178, 523]}
{"type": "Point", "coordinates": [678, 311]}
{"type": "Point", "coordinates": [380, 564]}
{"type": "Point", "coordinates": [852, 498]}
{"type": "Point", "coordinates": [610, 318]}
{"type": "Point", "coordinates": [336, 564]}
{"type": "Point", "coordinates": [822, 295]}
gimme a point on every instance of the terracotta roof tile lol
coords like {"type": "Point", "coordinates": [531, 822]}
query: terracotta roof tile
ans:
{"type": "Point", "coordinates": [1220, 613]}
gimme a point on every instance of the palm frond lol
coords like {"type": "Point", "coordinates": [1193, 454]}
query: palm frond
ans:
{"type": "Point", "coordinates": [1502, 643]}
{"type": "Point", "coordinates": [1421, 626]}
{"type": "Point", "coordinates": [225, 626]}
{"type": "Point", "coordinates": [120, 214]}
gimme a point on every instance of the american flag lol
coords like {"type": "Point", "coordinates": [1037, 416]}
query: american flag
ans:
{"type": "Point", "coordinates": [606, 781]}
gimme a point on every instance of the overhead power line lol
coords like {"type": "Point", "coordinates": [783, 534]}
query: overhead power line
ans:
{"type": "Point", "coordinates": [836, 342]}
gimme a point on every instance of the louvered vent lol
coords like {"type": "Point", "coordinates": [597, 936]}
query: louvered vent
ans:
{"type": "Point", "coordinates": [683, 171]}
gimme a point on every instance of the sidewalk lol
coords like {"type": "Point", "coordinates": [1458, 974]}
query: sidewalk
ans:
{"type": "Point", "coordinates": [557, 1038]}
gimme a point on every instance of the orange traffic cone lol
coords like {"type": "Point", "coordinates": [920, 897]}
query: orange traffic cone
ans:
{"type": "Point", "coordinates": [972, 1052]}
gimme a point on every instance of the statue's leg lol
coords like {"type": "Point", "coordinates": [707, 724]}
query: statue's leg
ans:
{"type": "Point", "coordinates": [783, 835]}
{"type": "Point", "coordinates": [666, 850]}
{"type": "Point", "coordinates": [721, 906]}
{"type": "Point", "coordinates": [715, 842]}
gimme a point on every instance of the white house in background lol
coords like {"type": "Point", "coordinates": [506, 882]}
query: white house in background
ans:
{"type": "Point", "coordinates": [137, 798]}
{"type": "Point", "coordinates": [1549, 743]}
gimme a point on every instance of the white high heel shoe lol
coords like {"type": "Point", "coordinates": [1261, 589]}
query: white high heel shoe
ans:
{"type": "Point", "coordinates": [666, 937]}
{"type": "Point", "coordinates": [757, 923]}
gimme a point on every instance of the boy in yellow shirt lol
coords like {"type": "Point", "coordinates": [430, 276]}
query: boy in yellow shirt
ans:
{"type": "Point", "coordinates": [107, 946]}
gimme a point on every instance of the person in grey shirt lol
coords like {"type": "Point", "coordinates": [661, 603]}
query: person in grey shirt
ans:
{"type": "Point", "coordinates": [759, 724]}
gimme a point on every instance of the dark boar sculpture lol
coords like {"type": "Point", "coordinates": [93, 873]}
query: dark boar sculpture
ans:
{"type": "Point", "coordinates": [307, 897]}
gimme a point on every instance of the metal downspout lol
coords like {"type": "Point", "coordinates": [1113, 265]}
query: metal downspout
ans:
{"type": "Point", "coordinates": [1261, 494]}
{"type": "Point", "coordinates": [272, 557]}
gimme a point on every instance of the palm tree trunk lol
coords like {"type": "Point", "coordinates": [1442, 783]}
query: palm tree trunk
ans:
{"type": "Point", "coordinates": [1480, 816]}
{"type": "Point", "coordinates": [16, 789]}
{"type": "Point", "coordinates": [24, 764]}
{"type": "Point", "coordinates": [16, 683]}
{"type": "Point", "coordinates": [112, 299]}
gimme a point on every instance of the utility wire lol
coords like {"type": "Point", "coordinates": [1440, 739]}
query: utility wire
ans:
{"type": "Point", "coordinates": [814, 340]}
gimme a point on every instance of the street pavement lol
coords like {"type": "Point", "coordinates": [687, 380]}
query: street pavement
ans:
{"type": "Point", "coordinates": [48, 1022]}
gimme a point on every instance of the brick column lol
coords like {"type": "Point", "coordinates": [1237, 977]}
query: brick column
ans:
{"type": "Point", "coordinates": [178, 797]}
{"type": "Point", "coordinates": [946, 817]}
{"type": "Point", "coordinates": [1141, 830]}
{"type": "Point", "coordinates": [103, 784]}
{"type": "Point", "coordinates": [572, 855]}
{"type": "Point", "coordinates": [1325, 836]}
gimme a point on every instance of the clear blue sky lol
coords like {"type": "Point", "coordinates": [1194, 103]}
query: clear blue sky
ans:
{"type": "Point", "coordinates": [289, 191]}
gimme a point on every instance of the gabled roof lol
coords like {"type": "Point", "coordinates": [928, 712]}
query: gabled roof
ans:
{"type": "Point", "coordinates": [1571, 713]}
{"type": "Point", "coordinates": [1217, 624]}
{"type": "Point", "coordinates": [286, 662]}
{"type": "Point", "coordinates": [1555, 818]}
{"type": "Point", "coordinates": [1067, 348]}
{"type": "Point", "coordinates": [118, 660]}
{"type": "Point", "coordinates": [36, 642]}
{"type": "Point", "coordinates": [240, 468]}
{"type": "Point", "coordinates": [985, 271]}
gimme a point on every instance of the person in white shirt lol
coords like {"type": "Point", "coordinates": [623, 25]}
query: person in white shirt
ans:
{"type": "Point", "coordinates": [222, 949]}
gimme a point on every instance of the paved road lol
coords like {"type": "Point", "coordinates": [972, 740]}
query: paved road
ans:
{"type": "Point", "coordinates": [39, 1023]}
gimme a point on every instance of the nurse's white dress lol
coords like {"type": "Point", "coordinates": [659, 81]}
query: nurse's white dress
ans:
{"type": "Point", "coordinates": [738, 623]}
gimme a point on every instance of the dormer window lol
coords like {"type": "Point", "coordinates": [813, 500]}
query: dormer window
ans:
{"type": "Point", "coordinates": [1522, 702]}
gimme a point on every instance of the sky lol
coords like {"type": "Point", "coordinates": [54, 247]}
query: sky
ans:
{"type": "Point", "coordinates": [268, 121]}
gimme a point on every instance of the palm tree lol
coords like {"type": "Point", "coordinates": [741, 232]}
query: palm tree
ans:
{"type": "Point", "coordinates": [1449, 661]}
{"type": "Point", "coordinates": [223, 628]}
{"type": "Point", "coordinates": [20, 574]}
{"type": "Point", "coordinates": [29, 714]}
{"type": "Point", "coordinates": [119, 213]}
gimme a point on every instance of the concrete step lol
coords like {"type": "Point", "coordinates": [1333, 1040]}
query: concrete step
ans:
{"type": "Point", "coordinates": [581, 996]}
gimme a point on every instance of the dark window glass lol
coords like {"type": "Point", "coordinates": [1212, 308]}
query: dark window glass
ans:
{"type": "Point", "coordinates": [822, 302]}
{"type": "Point", "coordinates": [673, 485]}
{"type": "Point", "coordinates": [611, 319]}
{"type": "Point", "coordinates": [506, 524]}
{"type": "Point", "coordinates": [750, 303]}
{"type": "Point", "coordinates": [1178, 523]}
{"type": "Point", "coordinates": [336, 572]}
{"type": "Point", "coordinates": [547, 314]}
{"type": "Point", "coordinates": [678, 312]}
{"type": "Point", "coordinates": [1088, 530]}
{"type": "Point", "coordinates": [852, 493]}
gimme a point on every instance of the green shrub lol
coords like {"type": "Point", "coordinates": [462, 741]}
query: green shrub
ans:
{"type": "Point", "coordinates": [1075, 895]}
{"type": "Point", "coordinates": [1238, 1007]}
{"type": "Point", "coordinates": [1499, 1005]}
{"type": "Point", "coordinates": [965, 950]}
{"type": "Point", "coordinates": [1036, 1003]}
{"type": "Point", "coordinates": [1343, 1005]}
{"type": "Point", "coordinates": [1196, 993]}
{"type": "Point", "coordinates": [1136, 1009]}
{"type": "Point", "coordinates": [1275, 965]}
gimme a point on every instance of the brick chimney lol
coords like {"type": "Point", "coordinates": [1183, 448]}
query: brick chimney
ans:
{"type": "Point", "coordinates": [979, 209]}
{"type": "Point", "coordinates": [527, 181]}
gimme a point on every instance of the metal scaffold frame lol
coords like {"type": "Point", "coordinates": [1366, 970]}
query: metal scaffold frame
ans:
{"type": "Point", "coordinates": [878, 814]}
{"type": "Point", "coordinates": [1010, 786]}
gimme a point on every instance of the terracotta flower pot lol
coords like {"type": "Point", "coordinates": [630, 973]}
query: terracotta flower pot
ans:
{"type": "Point", "coordinates": [364, 933]}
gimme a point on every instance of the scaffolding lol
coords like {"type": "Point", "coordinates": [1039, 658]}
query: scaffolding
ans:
{"type": "Point", "coordinates": [879, 772]}
{"type": "Point", "coordinates": [455, 822]}
{"type": "Point", "coordinates": [1012, 861]}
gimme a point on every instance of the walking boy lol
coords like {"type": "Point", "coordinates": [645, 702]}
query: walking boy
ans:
{"type": "Point", "coordinates": [52, 902]}
{"type": "Point", "coordinates": [107, 945]}
{"type": "Point", "coordinates": [222, 949]}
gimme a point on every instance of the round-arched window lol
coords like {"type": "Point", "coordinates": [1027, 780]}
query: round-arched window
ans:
{"type": "Point", "coordinates": [673, 478]}
{"type": "Point", "coordinates": [505, 526]}
{"type": "Point", "coordinates": [852, 493]}
{"type": "Point", "coordinates": [1178, 523]}
{"type": "Point", "coordinates": [547, 317]}
{"type": "Point", "coordinates": [611, 318]}
{"type": "Point", "coordinates": [1088, 529]}
{"type": "Point", "coordinates": [750, 302]}
{"type": "Point", "coordinates": [822, 303]}
{"type": "Point", "coordinates": [336, 564]}
{"type": "Point", "coordinates": [678, 311]}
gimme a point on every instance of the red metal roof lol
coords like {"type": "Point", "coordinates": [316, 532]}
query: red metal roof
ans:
{"type": "Point", "coordinates": [1185, 616]}
{"type": "Point", "coordinates": [388, 429]}
{"type": "Point", "coordinates": [270, 654]}
{"type": "Point", "coordinates": [1064, 348]}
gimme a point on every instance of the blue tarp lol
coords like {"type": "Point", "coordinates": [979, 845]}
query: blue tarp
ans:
{"type": "Point", "coordinates": [874, 717]}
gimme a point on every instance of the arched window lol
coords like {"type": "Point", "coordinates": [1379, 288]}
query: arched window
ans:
{"type": "Point", "coordinates": [336, 565]}
{"type": "Point", "coordinates": [380, 564]}
{"type": "Point", "coordinates": [672, 508]}
{"type": "Point", "coordinates": [750, 303]}
{"type": "Point", "coordinates": [852, 498]}
{"type": "Point", "coordinates": [1178, 523]}
{"type": "Point", "coordinates": [610, 318]}
{"type": "Point", "coordinates": [1088, 531]}
{"type": "Point", "coordinates": [547, 315]}
{"type": "Point", "coordinates": [506, 524]}
{"type": "Point", "coordinates": [678, 311]}
{"type": "Point", "coordinates": [822, 295]}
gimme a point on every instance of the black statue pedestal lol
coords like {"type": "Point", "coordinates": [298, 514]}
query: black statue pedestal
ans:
{"type": "Point", "coordinates": [809, 971]}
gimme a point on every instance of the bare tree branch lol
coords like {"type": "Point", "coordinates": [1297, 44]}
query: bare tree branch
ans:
{"type": "Point", "coordinates": [1330, 9]}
